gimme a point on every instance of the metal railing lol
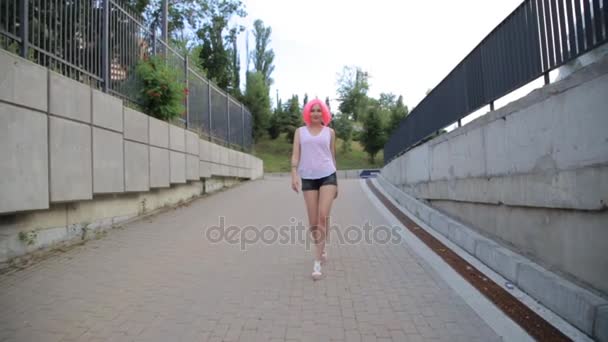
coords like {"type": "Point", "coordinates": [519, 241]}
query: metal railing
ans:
{"type": "Point", "coordinates": [536, 38]}
{"type": "Point", "coordinates": [100, 42]}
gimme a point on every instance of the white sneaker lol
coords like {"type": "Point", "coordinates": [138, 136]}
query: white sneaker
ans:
{"type": "Point", "coordinates": [316, 270]}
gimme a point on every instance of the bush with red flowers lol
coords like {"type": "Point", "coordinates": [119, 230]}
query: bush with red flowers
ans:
{"type": "Point", "coordinates": [162, 94]}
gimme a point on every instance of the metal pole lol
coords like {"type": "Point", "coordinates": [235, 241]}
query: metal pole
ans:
{"type": "Point", "coordinates": [165, 26]}
{"type": "Point", "coordinates": [187, 92]}
{"type": "Point", "coordinates": [105, 46]}
{"type": "Point", "coordinates": [24, 10]}
{"type": "Point", "coordinates": [547, 80]}
{"type": "Point", "coordinates": [154, 41]}
{"type": "Point", "coordinates": [459, 123]}
{"type": "Point", "coordinates": [228, 116]}
{"type": "Point", "coordinates": [492, 106]}
{"type": "Point", "coordinates": [209, 111]}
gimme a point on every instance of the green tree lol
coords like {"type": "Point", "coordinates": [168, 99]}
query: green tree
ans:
{"type": "Point", "coordinates": [305, 101]}
{"type": "Point", "coordinates": [344, 131]}
{"type": "Point", "coordinates": [276, 121]}
{"type": "Point", "coordinates": [183, 18]}
{"type": "Point", "coordinates": [235, 87]}
{"type": "Point", "coordinates": [274, 129]}
{"type": "Point", "coordinates": [387, 100]}
{"type": "Point", "coordinates": [161, 94]}
{"type": "Point", "coordinates": [353, 86]}
{"type": "Point", "coordinates": [373, 136]}
{"type": "Point", "coordinates": [398, 113]}
{"type": "Point", "coordinates": [294, 117]}
{"type": "Point", "coordinates": [217, 39]}
{"type": "Point", "coordinates": [331, 123]}
{"type": "Point", "coordinates": [327, 103]}
{"type": "Point", "coordinates": [263, 56]}
{"type": "Point", "coordinates": [257, 100]}
{"type": "Point", "coordinates": [137, 6]}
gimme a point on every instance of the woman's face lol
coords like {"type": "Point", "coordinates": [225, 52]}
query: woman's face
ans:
{"type": "Point", "coordinates": [316, 116]}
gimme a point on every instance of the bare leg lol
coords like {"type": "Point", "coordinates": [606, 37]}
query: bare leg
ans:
{"type": "Point", "coordinates": [311, 197]}
{"type": "Point", "coordinates": [327, 194]}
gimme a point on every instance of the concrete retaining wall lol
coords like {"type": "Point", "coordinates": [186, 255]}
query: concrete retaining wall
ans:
{"type": "Point", "coordinates": [536, 168]}
{"type": "Point", "coordinates": [69, 223]}
{"type": "Point", "coordinates": [532, 176]}
{"type": "Point", "coordinates": [79, 143]}
{"type": "Point", "coordinates": [583, 308]}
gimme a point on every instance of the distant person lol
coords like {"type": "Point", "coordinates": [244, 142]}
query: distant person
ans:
{"type": "Point", "coordinates": [314, 161]}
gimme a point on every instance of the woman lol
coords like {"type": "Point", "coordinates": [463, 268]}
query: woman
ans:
{"type": "Point", "coordinates": [313, 160]}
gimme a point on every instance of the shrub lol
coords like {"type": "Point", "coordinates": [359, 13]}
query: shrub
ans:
{"type": "Point", "coordinates": [162, 94]}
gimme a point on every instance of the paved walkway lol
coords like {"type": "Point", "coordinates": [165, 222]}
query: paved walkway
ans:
{"type": "Point", "coordinates": [161, 279]}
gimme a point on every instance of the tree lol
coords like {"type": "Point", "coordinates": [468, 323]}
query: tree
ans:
{"type": "Point", "coordinates": [262, 56]}
{"type": "Point", "coordinates": [277, 121]}
{"type": "Point", "coordinates": [274, 129]}
{"type": "Point", "coordinates": [183, 17]}
{"type": "Point", "coordinates": [305, 100]}
{"type": "Point", "coordinates": [217, 40]}
{"type": "Point", "coordinates": [352, 91]}
{"type": "Point", "coordinates": [257, 100]}
{"type": "Point", "coordinates": [235, 87]}
{"type": "Point", "coordinates": [294, 118]}
{"type": "Point", "coordinates": [387, 100]}
{"type": "Point", "coordinates": [372, 137]}
{"type": "Point", "coordinates": [398, 113]}
{"type": "Point", "coordinates": [138, 6]}
{"type": "Point", "coordinates": [344, 130]}
{"type": "Point", "coordinates": [328, 105]}
{"type": "Point", "coordinates": [331, 123]}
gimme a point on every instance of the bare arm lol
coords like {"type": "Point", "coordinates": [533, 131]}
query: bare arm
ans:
{"type": "Point", "coordinates": [333, 153]}
{"type": "Point", "coordinates": [295, 160]}
{"type": "Point", "coordinates": [295, 153]}
{"type": "Point", "coordinates": [333, 146]}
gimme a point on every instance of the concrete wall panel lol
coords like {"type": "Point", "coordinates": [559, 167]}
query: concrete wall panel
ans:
{"type": "Point", "coordinates": [108, 162]}
{"type": "Point", "coordinates": [137, 166]}
{"type": "Point", "coordinates": [136, 125]}
{"type": "Point", "coordinates": [71, 160]}
{"type": "Point", "coordinates": [24, 183]}
{"type": "Point", "coordinates": [107, 111]}
{"type": "Point", "coordinates": [23, 82]}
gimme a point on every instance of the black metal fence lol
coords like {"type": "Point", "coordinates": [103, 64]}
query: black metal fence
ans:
{"type": "Point", "coordinates": [539, 36]}
{"type": "Point", "coordinates": [100, 42]}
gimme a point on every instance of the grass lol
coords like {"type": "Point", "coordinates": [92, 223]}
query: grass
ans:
{"type": "Point", "coordinates": [276, 155]}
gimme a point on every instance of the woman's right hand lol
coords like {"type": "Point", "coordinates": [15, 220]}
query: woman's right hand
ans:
{"type": "Point", "coordinates": [295, 184]}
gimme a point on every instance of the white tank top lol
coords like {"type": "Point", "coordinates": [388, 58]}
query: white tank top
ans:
{"type": "Point", "coordinates": [316, 160]}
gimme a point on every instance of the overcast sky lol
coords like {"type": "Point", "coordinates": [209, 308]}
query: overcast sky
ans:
{"type": "Point", "coordinates": [406, 46]}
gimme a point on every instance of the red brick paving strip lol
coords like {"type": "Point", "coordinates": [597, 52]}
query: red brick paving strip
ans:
{"type": "Point", "coordinates": [532, 323]}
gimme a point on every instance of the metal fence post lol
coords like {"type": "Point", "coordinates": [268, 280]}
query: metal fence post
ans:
{"type": "Point", "coordinates": [24, 10]}
{"type": "Point", "coordinates": [228, 116]}
{"type": "Point", "coordinates": [243, 126]}
{"type": "Point", "coordinates": [164, 26]}
{"type": "Point", "coordinates": [105, 46]}
{"type": "Point", "coordinates": [187, 91]}
{"type": "Point", "coordinates": [154, 41]}
{"type": "Point", "coordinates": [209, 105]}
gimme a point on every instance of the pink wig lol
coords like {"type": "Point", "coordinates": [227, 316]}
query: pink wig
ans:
{"type": "Point", "coordinates": [324, 110]}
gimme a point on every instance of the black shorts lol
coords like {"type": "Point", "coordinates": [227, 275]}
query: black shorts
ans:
{"type": "Point", "coordinates": [315, 184]}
